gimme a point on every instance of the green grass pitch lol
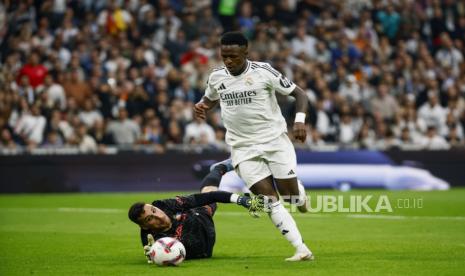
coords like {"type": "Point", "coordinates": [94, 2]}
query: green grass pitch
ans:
{"type": "Point", "coordinates": [89, 234]}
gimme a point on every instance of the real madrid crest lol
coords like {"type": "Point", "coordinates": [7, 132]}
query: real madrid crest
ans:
{"type": "Point", "coordinates": [248, 81]}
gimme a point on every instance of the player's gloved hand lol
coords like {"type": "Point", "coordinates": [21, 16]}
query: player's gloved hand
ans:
{"type": "Point", "coordinates": [151, 241]}
{"type": "Point", "coordinates": [254, 204]}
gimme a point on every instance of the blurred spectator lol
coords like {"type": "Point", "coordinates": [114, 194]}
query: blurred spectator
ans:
{"type": "Point", "coordinates": [366, 137]}
{"type": "Point", "coordinates": [6, 136]}
{"type": "Point", "coordinates": [345, 52]}
{"type": "Point", "coordinates": [415, 124]}
{"type": "Point", "coordinates": [454, 138]}
{"type": "Point", "coordinates": [323, 123]}
{"type": "Point", "coordinates": [101, 137]}
{"type": "Point", "coordinates": [389, 142]}
{"type": "Point", "coordinates": [432, 112]}
{"type": "Point", "coordinates": [433, 141]}
{"type": "Point", "coordinates": [76, 88]}
{"type": "Point", "coordinates": [448, 55]}
{"type": "Point", "coordinates": [208, 24]}
{"type": "Point", "coordinates": [346, 131]}
{"type": "Point", "coordinates": [124, 131]}
{"type": "Point", "coordinates": [31, 126]}
{"type": "Point", "coordinates": [148, 20]}
{"type": "Point", "coordinates": [390, 21]}
{"type": "Point", "coordinates": [350, 90]}
{"type": "Point", "coordinates": [185, 92]}
{"type": "Point", "coordinates": [56, 96]}
{"type": "Point", "coordinates": [115, 61]}
{"type": "Point", "coordinates": [452, 124]}
{"type": "Point", "coordinates": [406, 140]}
{"type": "Point", "coordinates": [190, 26]}
{"type": "Point", "coordinates": [304, 43]}
{"type": "Point", "coordinates": [322, 54]}
{"type": "Point", "coordinates": [220, 144]}
{"type": "Point", "coordinates": [174, 135]}
{"type": "Point", "coordinates": [90, 115]}
{"type": "Point", "coordinates": [152, 132]}
{"type": "Point", "coordinates": [53, 140]}
{"type": "Point", "coordinates": [358, 118]}
{"type": "Point", "coordinates": [84, 141]}
{"type": "Point", "coordinates": [169, 24]}
{"type": "Point", "coordinates": [384, 104]}
{"type": "Point", "coordinates": [314, 140]}
{"type": "Point", "coordinates": [455, 102]}
{"type": "Point", "coordinates": [285, 12]}
{"type": "Point", "coordinates": [199, 132]}
{"type": "Point", "coordinates": [59, 125]}
{"type": "Point", "coordinates": [226, 12]}
{"type": "Point", "coordinates": [34, 71]}
{"type": "Point", "coordinates": [245, 21]}
{"type": "Point", "coordinates": [25, 90]}
{"type": "Point", "coordinates": [114, 19]}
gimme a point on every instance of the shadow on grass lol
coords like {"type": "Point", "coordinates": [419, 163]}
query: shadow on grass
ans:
{"type": "Point", "coordinates": [219, 258]}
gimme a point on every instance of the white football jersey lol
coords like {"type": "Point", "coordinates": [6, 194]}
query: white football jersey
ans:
{"type": "Point", "coordinates": [249, 107]}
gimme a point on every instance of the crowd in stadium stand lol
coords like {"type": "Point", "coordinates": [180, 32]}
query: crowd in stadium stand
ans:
{"type": "Point", "coordinates": [95, 75]}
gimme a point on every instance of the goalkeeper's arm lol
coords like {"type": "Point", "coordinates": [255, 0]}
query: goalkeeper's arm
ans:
{"type": "Point", "coordinates": [201, 199]}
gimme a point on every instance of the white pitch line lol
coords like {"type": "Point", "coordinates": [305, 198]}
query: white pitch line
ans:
{"type": "Point", "coordinates": [403, 217]}
{"type": "Point", "coordinates": [221, 213]}
{"type": "Point", "coordinates": [366, 216]}
{"type": "Point", "coordinates": [64, 209]}
{"type": "Point", "coordinates": [355, 216]}
{"type": "Point", "coordinates": [91, 210]}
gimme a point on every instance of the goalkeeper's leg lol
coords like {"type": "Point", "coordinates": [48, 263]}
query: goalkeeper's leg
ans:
{"type": "Point", "coordinates": [212, 180]}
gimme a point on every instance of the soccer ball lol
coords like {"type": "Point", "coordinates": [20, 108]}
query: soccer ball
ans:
{"type": "Point", "coordinates": [167, 251]}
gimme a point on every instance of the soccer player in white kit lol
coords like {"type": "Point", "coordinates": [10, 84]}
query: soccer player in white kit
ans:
{"type": "Point", "coordinates": [257, 132]}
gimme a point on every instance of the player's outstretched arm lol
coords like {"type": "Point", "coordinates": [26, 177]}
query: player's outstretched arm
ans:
{"type": "Point", "coordinates": [204, 105]}
{"type": "Point", "coordinates": [301, 100]}
{"type": "Point", "coordinates": [254, 204]}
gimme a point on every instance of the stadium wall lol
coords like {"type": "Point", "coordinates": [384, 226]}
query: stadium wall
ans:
{"type": "Point", "coordinates": [174, 171]}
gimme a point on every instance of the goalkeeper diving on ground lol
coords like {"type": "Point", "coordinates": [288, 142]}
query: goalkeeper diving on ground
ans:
{"type": "Point", "coordinates": [190, 218]}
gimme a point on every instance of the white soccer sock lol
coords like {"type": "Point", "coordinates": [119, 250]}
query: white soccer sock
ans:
{"type": "Point", "coordinates": [286, 225]}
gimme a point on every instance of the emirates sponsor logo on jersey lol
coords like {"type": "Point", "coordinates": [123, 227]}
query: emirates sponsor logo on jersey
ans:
{"type": "Point", "coordinates": [238, 97]}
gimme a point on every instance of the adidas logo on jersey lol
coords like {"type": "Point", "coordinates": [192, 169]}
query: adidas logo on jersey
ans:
{"type": "Point", "coordinates": [222, 87]}
{"type": "Point", "coordinates": [291, 172]}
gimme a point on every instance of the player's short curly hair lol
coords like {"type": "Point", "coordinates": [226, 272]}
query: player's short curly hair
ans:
{"type": "Point", "coordinates": [135, 211]}
{"type": "Point", "coordinates": [234, 38]}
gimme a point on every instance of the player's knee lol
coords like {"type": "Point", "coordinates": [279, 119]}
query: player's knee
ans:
{"type": "Point", "coordinates": [207, 189]}
{"type": "Point", "coordinates": [288, 187]}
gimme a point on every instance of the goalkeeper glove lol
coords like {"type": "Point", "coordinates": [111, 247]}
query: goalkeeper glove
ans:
{"type": "Point", "coordinates": [254, 204]}
{"type": "Point", "coordinates": [147, 247]}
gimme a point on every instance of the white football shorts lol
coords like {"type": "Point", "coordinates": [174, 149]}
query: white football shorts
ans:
{"type": "Point", "coordinates": [276, 158]}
